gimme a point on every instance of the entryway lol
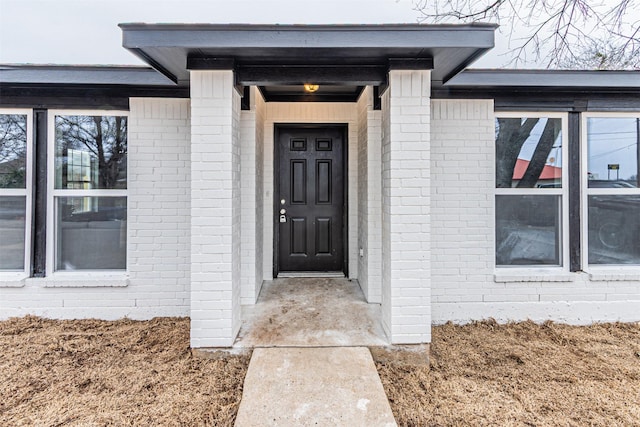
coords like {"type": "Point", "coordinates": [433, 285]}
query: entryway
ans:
{"type": "Point", "coordinates": [311, 312]}
{"type": "Point", "coordinates": [310, 188]}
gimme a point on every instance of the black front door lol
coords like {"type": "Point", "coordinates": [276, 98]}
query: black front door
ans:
{"type": "Point", "coordinates": [310, 198]}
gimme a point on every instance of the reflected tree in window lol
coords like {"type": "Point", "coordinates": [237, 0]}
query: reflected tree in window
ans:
{"type": "Point", "coordinates": [91, 152]}
{"type": "Point", "coordinates": [13, 150]}
{"type": "Point", "coordinates": [511, 135]}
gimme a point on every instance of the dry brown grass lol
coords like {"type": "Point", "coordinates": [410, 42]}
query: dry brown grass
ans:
{"type": "Point", "coordinates": [91, 372]}
{"type": "Point", "coordinates": [521, 374]}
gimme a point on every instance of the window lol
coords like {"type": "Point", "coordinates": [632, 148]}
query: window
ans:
{"type": "Point", "coordinates": [15, 182]}
{"type": "Point", "coordinates": [530, 190]}
{"type": "Point", "coordinates": [612, 185]}
{"type": "Point", "coordinates": [89, 194]}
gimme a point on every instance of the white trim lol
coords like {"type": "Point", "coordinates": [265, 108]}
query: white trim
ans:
{"type": "Point", "coordinates": [8, 276]}
{"type": "Point", "coordinates": [95, 276]}
{"type": "Point", "coordinates": [533, 274]}
{"type": "Point", "coordinates": [563, 268]}
{"type": "Point", "coordinates": [88, 279]}
{"type": "Point", "coordinates": [13, 279]}
{"type": "Point", "coordinates": [600, 272]}
{"type": "Point", "coordinates": [90, 193]}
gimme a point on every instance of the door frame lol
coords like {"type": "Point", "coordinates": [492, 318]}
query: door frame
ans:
{"type": "Point", "coordinates": [344, 127]}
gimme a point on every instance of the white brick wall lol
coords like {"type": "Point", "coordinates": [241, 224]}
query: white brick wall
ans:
{"type": "Point", "coordinates": [259, 106]}
{"type": "Point", "coordinates": [406, 207]}
{"type": "Point", "coordinates": [421, 204]}
{"type": "Point", "coordinates": [158, 231]}
{"type": "Point", "coordinates": [369, 198]}
{"type": "Point", "coordinates": [215, 209]}
{"type": "Point", "coordinates": [248, 209]}
{"type": "Point", "coordinates": [464, 287]}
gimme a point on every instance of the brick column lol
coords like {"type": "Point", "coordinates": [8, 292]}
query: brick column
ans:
{"type": "Point", "coordinates": [406, 239]}
{"type": "Point", "coordinates": [215, 209]}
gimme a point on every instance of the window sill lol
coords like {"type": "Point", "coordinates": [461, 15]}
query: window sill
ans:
{"type": "Point", "coordinates": [618, 274]}
{"type": "Point", "coordinates": [83, 280]}
{"type": "Point", "coordinates": [533, 275]}
{"type": "Point", "coordinates": [13, 280]}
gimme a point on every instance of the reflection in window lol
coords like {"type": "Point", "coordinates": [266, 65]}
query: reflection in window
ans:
{"type": "Point", "coordinates": [528, 152]}
{"type": "Point", "coordinates": [528, 230]}
{"type": "Point", "coordinates": [12, 232]}
{"type": "Point", "coordinates": [613, 152]}
{"type": "Point", "coordinates": [13, 150]}
{"type": "Point", "coordinates": [89, 192]}
{"type": "Point", "coordinates": [529, 192]}
{"type": "Point", "coordinates": [13, 191]}
{"type": "Point", "coordinates": [613, 198]}
{"type": "Point", "coordinates": [91, 152]}
{"type": "Point", "coordinates": [93, 237]}
{"type": "Point", "coordinates": [614, 229]}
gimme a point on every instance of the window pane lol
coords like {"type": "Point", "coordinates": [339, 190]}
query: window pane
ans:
{"type": "Point", "coordinates": [91, 233]}
{"type": "Point", "coordinates": [528, 230]}
{"type": "Point", "coordinates": [12, 228]}
{"type": "Point", "coordinates": [91, 152]}
{"type": "Point", "coordinates": [613, 150]}
{"type": "Point", "coordinates": [614, 229]}
{"type": "Point", "coordinates": [528, 152]}
{"type": "Point", "coordinates": [13, 151]}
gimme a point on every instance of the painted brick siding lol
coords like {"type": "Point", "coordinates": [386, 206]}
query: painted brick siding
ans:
{"type": "Point", "coordinates": [406, 247]}
{"type": "Point", "coordinates": [310, 112]}
{"type": "Point", "coordinates": [465, 283]}
{"type": "Point", "coordinates": [259, 106]}
{"type": "Point", "coordinates": [248, 208]}
{"type": "Point", "coordinates": [369, 198]}
{"type": "Point", "coordinates": [215, 209]}
{"type": "Point", "coordinates": [158, 230]}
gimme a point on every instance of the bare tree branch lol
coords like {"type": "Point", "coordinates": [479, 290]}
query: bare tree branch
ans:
{"type": "Point", "coordinates": [557, 31]}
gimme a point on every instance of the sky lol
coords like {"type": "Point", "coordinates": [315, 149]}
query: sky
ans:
{"type": "Point", "coordinates": [86, 31]}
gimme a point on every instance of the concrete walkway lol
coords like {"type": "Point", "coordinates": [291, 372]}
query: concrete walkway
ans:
{"type": "Point", "coordinates": [328, 386]}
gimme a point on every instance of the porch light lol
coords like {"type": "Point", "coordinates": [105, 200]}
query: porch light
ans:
{"type": "Point", "coordinates": [308, 87]}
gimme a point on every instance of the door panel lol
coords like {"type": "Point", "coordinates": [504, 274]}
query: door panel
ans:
{"type": "Point", "coordinates": [309, 188]}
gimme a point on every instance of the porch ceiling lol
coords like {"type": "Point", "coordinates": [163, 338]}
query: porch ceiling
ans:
{"type": "Point", "coordinates": [349, 55]}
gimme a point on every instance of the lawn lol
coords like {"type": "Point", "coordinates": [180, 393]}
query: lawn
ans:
{"type": "Point", "coordinates": [90, 372]}
{"type": "Point", "coordinates": [95, 373]}
{"type": "Point", "coordinates": [521, 374]}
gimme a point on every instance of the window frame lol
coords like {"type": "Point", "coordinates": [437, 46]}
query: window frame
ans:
{"type": "Point", "coordinates": [585, 191]}
{"type": "Point", "coordinates": [563, 192]}
{"type": "Point", "coordinates": [27, 192]}
{"type": "Point", "coordinates": [53, 194]}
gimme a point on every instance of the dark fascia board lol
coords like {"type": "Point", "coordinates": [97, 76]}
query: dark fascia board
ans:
{"type": "Point", "coordinates": [547, 90]}
{"type": "Point", "coordinates": [324, 75]}
{"type": "Point", "coordinates": [165, 46]}
{"type": "Point", "coordinates": [48, 95]}
{"type": "Point", "coordinates": [552, 79]}
{"type": "Point", "coordinates": [82, 74]}
{"type": "Point", "coordinates": [140, 35]}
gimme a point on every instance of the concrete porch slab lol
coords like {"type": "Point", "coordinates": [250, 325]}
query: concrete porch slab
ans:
{"type": "Point", "coordinates": [311, 312]}
{"type": "Point", "coordinates": [313, 386]}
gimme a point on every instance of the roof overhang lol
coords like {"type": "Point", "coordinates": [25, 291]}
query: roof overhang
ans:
{"type": "Point", "coordinates": [547, 90]}
{"type": "Point", "coordinates": [81, 74]}
{"type": "Point", "coordinates": [555, 80]}
{"type": "Point", "coordinates": [81, 86]}
{"type": "Point", "coordinates": [294, 54]}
